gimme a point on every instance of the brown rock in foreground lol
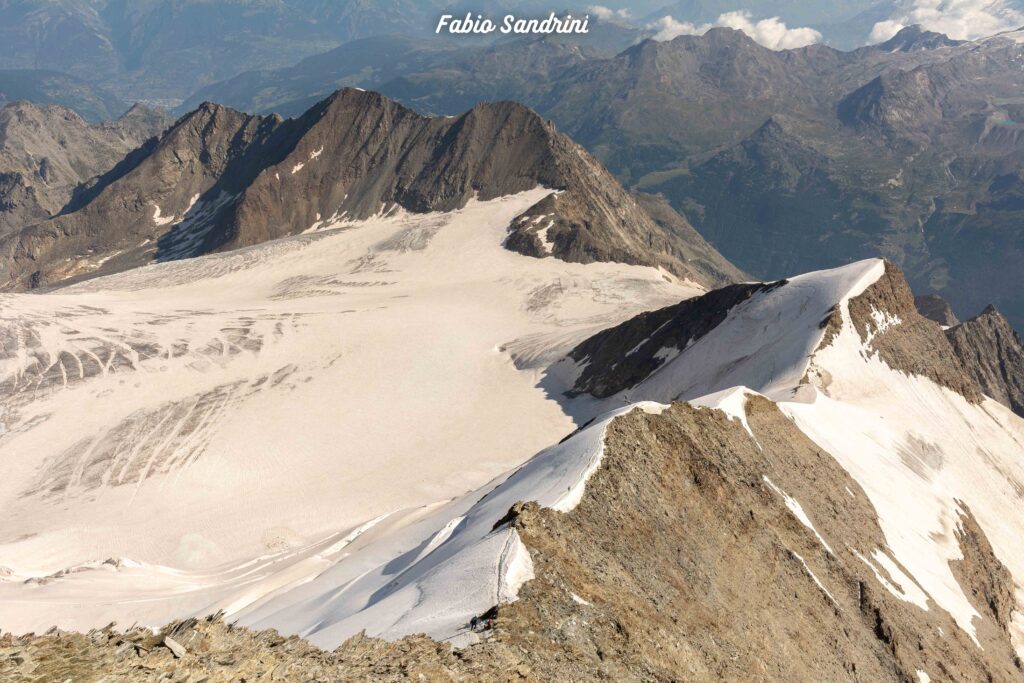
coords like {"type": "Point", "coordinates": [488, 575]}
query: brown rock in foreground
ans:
{"type": "Point", "coordinates": [682, 562]}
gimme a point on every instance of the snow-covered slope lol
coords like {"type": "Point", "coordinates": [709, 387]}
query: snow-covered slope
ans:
{"type": "Point", "coordinates": [923, 454]}
{"type": "Point", "coordinates": [338, 504]}
{"type": "Point", "coordinates": [225, 423]}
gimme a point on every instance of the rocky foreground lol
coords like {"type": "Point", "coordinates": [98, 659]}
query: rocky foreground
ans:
{"type": "Point", "coordinates": [688, 558]}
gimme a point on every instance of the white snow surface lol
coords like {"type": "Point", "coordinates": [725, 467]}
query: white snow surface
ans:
{"type": "Point", "coordinates": [764, 344]}
{"type": "Point", "coordinates": [160, 219]}
{"type": "Point", "coordinates": [921, 452]}
{"type": "Point", "coordinates": [288, 431]}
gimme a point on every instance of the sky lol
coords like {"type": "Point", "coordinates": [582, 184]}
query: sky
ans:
{"type": "Point", "coordinates": [960, 19]}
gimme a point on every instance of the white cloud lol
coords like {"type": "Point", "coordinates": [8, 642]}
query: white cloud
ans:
{"type": "Point", "coordinates": [884, 30]}
{"type": "Point", "coordinates": [606, 13]}
{"type": "Point", "coordinates": [772, 32]}
{"type": "Point", "coordinates": [668, 28]}
{"type": "Point", "coordinates": [961, 19]}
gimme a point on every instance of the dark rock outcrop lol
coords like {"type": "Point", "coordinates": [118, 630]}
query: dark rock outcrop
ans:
{"type": "Point", "coordinates": [625, 355]}
{"type": "Point", "coordinates": [220, 179]}
{"type": "Point", "coordinates": [937, 309]}
{"type": "Point", "coordinates": [887, 321]}
{"type": "Point", "coordinates": [993, 354]}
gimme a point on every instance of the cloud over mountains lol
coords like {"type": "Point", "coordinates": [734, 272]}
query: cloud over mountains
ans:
{"type": "Point", "coordinates": [960, 19]}
{"type": "Point", "coordinates": [771, 32]}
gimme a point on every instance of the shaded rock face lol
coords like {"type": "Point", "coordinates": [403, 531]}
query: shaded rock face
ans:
{"type": "Point", "coordinates": [936, 309]}
{"type": "Point", "coordinates": [698, 253]}
{"type": "Point", "coordinates": [987, 583]}
{"type": "Point", "coordinates": [682, 561]}
{"type": "Point", "coordinates": [220, 179]}
{"type": "Point", "coordinates": [887, 321]}
{"type": "Point", "coordinates": [623, 356]}
{"type": "Point", "coordinates": [993, 355]}
{"type": "Point", "coordinates": [47, 152]}
{"type": "Point", "coordinates": [899, 104]}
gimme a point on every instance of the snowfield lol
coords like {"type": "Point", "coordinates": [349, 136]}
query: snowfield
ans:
{"type": "Point", "coordinates": [319, 434]}
{"type": "Point", "coordinates": [226, 427]}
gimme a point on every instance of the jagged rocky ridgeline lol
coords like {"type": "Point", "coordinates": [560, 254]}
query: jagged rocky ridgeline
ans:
{"type": "Point", "coordinates": [220, 179]}
{"type": "Point", "coordinates": [989, 348]}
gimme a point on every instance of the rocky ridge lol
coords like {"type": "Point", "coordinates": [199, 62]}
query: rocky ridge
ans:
{"type": "Point", "coordinates": [220, 179]}
{"type": "Point", "coordinates": [993, 355]}
{"type": "Point", "coordinates": [888, 323]}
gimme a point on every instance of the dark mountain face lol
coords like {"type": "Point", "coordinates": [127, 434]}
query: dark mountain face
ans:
{"type": "Point", "coordinates": [993, 354]}
{"type": "Point", "coordinates": [49, 152]}
{"type": "Point", "coordinates": [220, 179]}
{"type": "Point", "coordinates": [936, 309]}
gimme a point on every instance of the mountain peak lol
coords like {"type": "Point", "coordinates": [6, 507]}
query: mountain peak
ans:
{"type": "Point", "coordinates": [221, 179]}
{"type": "Point", "coordinates": [723, 35]}
{"type": "Point", "coordinates": [916, 37]}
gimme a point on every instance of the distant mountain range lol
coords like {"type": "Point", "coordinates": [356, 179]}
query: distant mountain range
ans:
{"type": "Point", "coordinates": [163, 50]}
{"type": "Point", "coordinates": [785, 160]}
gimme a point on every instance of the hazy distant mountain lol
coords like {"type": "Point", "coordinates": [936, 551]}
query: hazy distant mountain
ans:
{"type": "Point", "coordinates": [793, 12]}
{"type": "Point", "coordinates": [289, 91]}
{"type": "Point", "coordinates": [164, 50]}
{"type": "Point", "coordinates": [92, 102]}
{"type": "Point", "coordinates": [807, 158]}
{"type": "Point", "coordinates": [432, 75]}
